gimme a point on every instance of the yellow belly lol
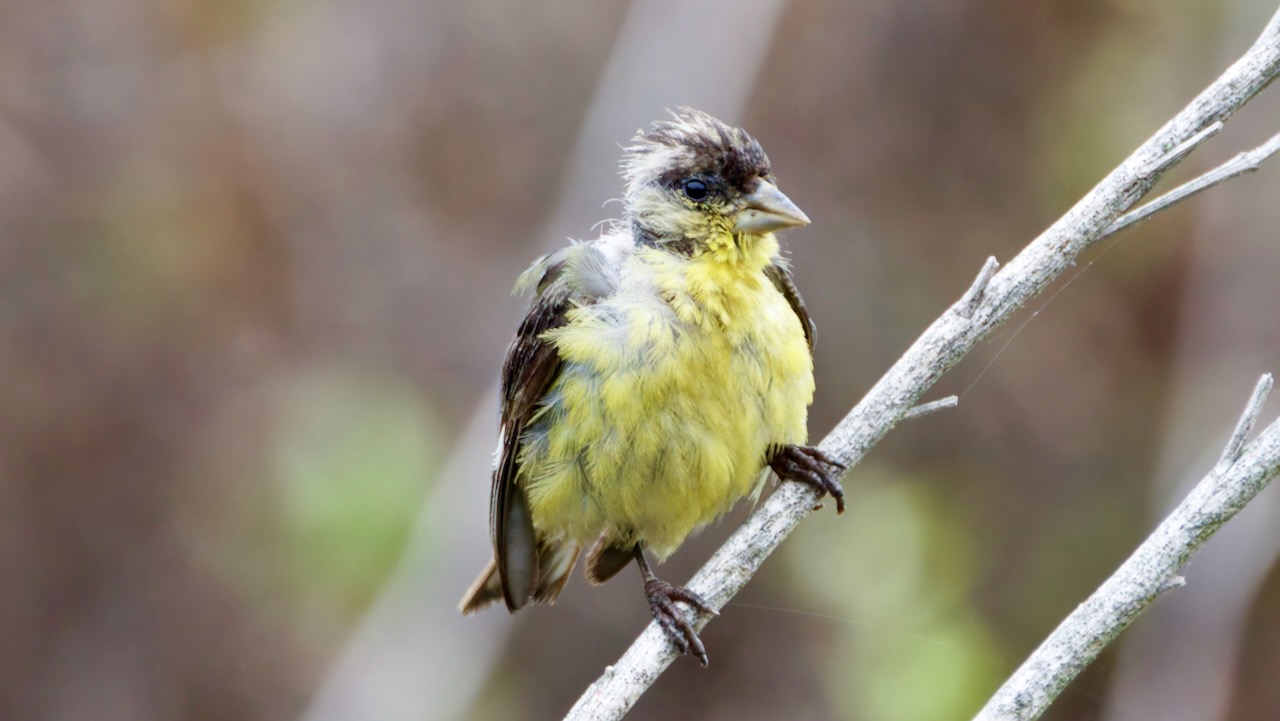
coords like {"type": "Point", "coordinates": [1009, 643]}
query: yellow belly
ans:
{"type": "Point", "coordinates": [660, 423]}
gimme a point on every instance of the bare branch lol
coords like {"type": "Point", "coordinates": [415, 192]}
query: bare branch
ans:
{"type": "Point", "coordinates": [939, 348]}
{"type": "Point", "coordinates": [1148, 573]}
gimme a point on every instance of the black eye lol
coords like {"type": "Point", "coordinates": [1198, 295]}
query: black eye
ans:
{"type": "Point", "coordinates": [695, 189]}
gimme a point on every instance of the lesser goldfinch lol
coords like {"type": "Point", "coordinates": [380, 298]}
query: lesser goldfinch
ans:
{"type": "Point", "coordinates": [661, 371]}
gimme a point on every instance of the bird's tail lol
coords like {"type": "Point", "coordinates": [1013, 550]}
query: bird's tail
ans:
{"type": "Point", "coordinates": [556, 560]}
{"type": "Point", "coordinates": [486, 590]}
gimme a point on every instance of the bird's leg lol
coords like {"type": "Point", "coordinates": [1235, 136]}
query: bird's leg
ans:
{"type": "Point", "coordinates": [662, 602]}
{"type": "Point", "coordinates": [808, 465]}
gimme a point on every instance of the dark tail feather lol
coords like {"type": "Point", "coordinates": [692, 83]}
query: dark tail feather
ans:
{"type": "Point", "coordinates": [555, 563]}
{"type": "Point", "coordinates": [486, 590]}
{"type": "Point", "coordinates": [556, 560]}
{"type": "Point", "coordinates": [605, 560]}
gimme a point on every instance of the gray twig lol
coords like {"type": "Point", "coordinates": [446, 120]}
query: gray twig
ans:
{"type": "Point", "coordinates": [1183, 149]}
{"type": "Point", "coordinates": [939, 348]}
{"type": "Point", "coordinates": [1245, 425]}
{"type": "Point", "coordinates": [968, 302]}
{"type": "Point", "coordinates": [1148, 573]}
{"type": "Point", "coordinates": [925, 409]}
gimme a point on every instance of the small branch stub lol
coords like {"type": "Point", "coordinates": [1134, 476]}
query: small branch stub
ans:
{"type": "Point", "coordinates": [972, 297]}
{"type": "Point", "coordinates": [1174, 156]}
{"type": "Point", "coordinates": [1247, 420]}
{"type": "Point", "coordinates": [925, 409]}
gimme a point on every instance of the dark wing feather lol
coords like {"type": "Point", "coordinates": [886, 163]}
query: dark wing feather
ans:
{"type": "Point", "coordinates": [782, 279]}
{"type": "Point", "coordinates": [531, 367]}
{"type": "Point", "coordinates": [572, 277]}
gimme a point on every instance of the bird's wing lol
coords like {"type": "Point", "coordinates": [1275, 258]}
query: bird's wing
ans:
{"type": "Point", "coordinates": [782, 279]}
{"type": "Point", "coordinates": [574, 276]}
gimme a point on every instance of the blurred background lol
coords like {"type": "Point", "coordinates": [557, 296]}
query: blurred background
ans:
{"type": "Point", "coordinates": [255, 261]}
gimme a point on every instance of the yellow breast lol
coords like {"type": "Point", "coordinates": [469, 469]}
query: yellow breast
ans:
{"type": "Point", "coordinates": [671, 394]}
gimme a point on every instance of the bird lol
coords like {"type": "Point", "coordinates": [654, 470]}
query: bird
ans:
{"type": "Point", "coordinates": [662, 370]}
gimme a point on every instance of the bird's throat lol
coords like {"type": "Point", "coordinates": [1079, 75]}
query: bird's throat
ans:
{"type": "Point", "coordinates": [746, 252]}
{"type": "Point", "coordinates": [720, 284]}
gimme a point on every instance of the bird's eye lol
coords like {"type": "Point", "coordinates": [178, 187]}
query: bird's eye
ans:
{"type": "Point", "coordinates": [695, 189]}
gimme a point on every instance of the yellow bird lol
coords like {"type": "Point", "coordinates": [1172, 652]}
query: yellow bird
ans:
{"type": "Point", "coordinates": [662, 370]}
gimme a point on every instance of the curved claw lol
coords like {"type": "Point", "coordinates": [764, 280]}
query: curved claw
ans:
{"type": "Point", "coordinates": [811, 466]}
{"type": "Point", "coordinates": [662, 602]}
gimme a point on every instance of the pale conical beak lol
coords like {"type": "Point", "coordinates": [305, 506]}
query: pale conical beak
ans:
{"type": "Point", "coordinates": [768, 210]}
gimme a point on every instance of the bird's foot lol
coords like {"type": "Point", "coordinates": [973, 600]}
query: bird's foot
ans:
{"type": "Point", "coordinates": [662, 602]}
{"type": "Point", "coordinates": [808, 465]}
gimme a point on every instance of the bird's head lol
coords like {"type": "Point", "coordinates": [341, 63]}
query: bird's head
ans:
{"type": "Point", "coordinates": [694, 182]}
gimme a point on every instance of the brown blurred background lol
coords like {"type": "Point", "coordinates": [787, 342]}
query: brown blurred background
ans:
{"type": "Point", "coordinates": [255, 261]}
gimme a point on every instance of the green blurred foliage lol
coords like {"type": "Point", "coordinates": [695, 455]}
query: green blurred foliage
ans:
{"type": "Point", "coordinates": [913, 649]}
{"type": "Point", "coordinates": [351, 456]}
